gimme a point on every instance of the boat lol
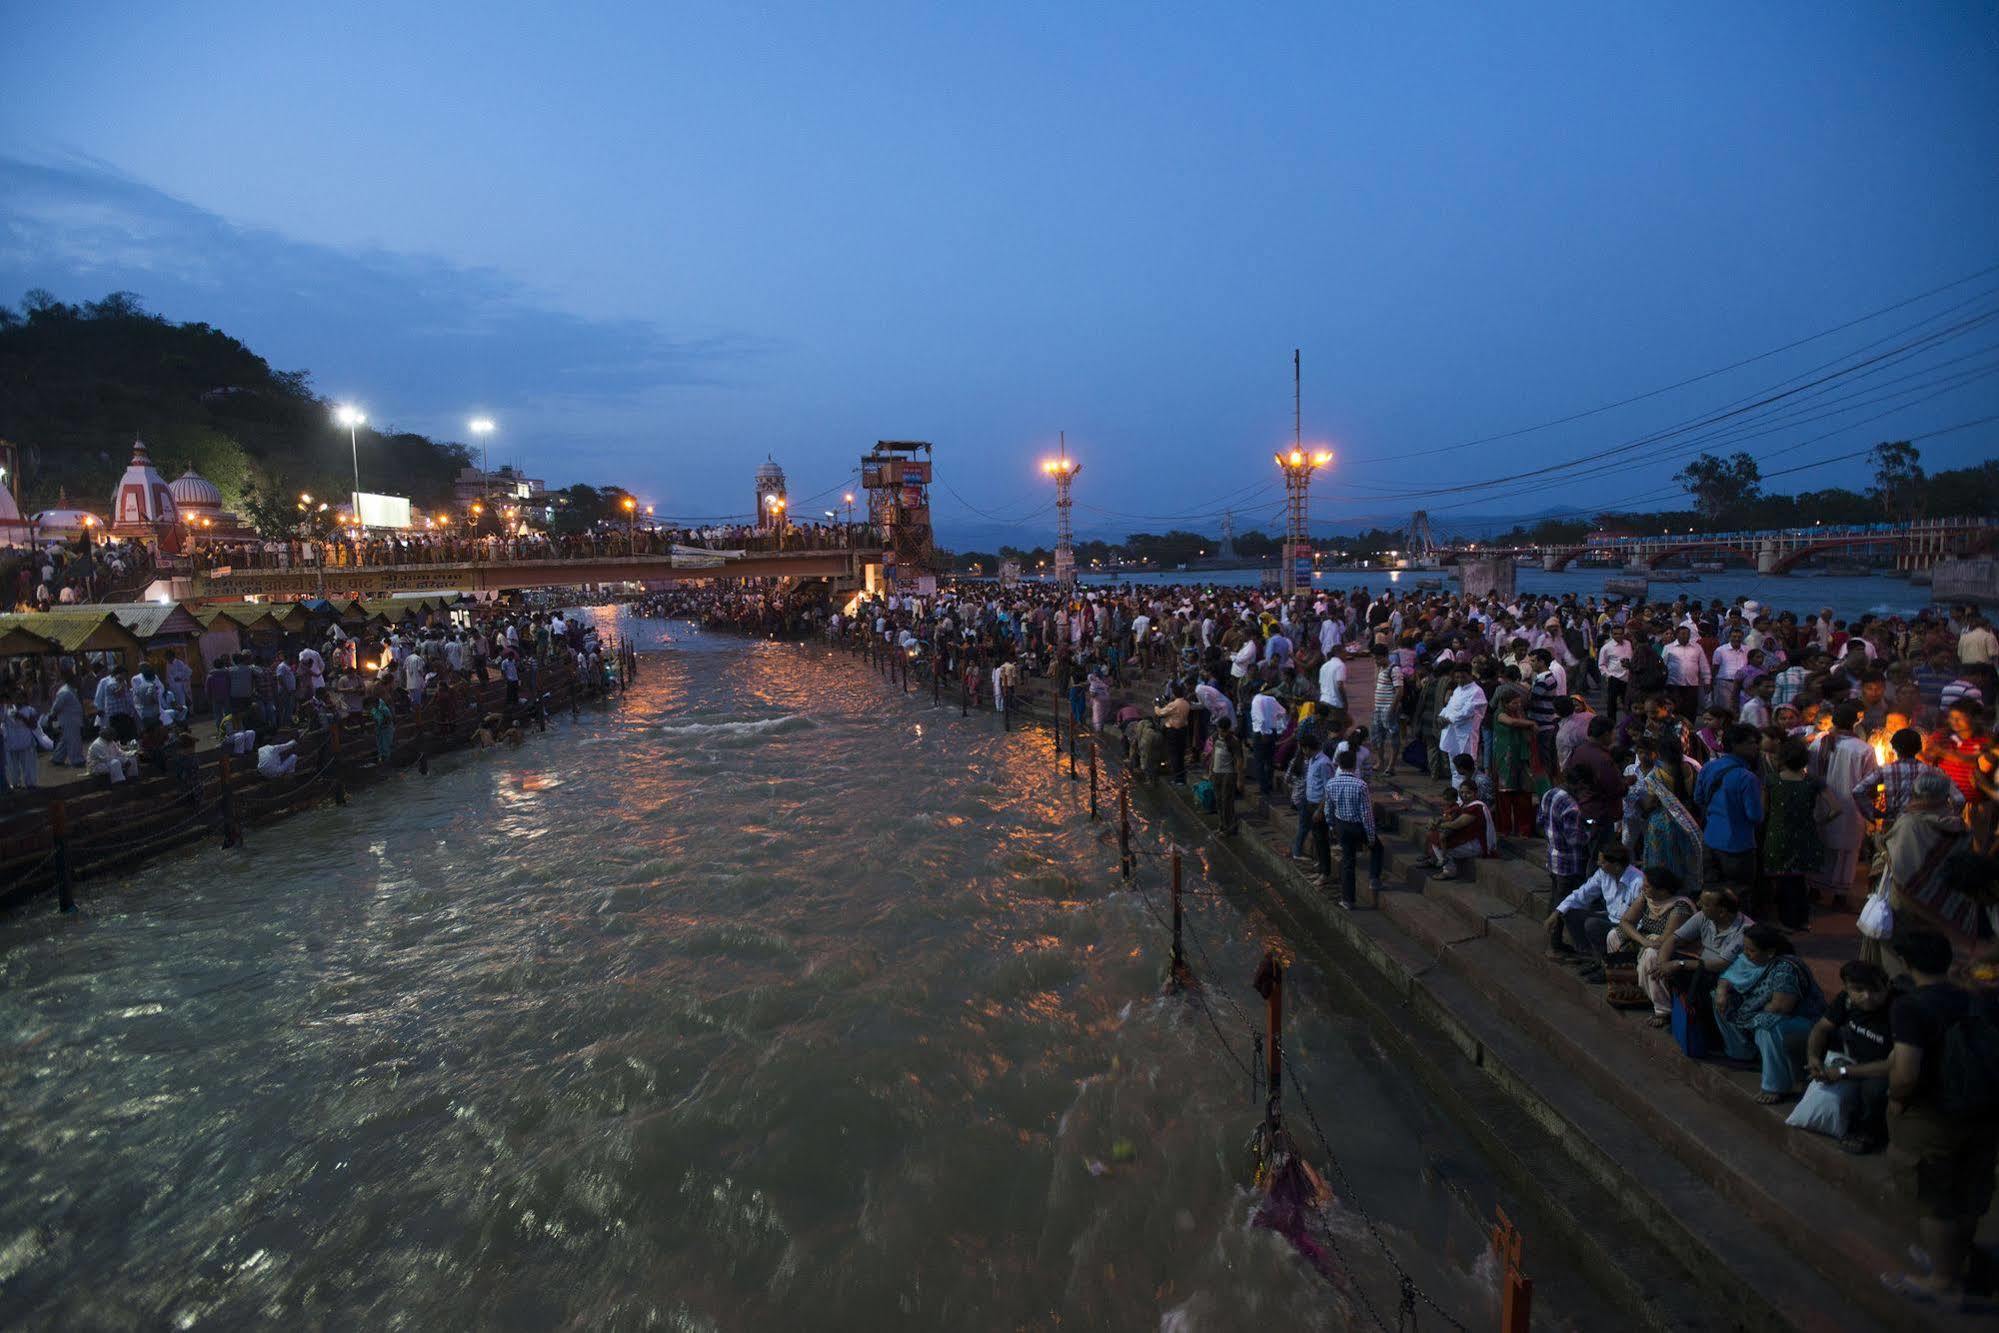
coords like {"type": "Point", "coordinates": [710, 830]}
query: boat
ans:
{"type": "Point", "coordinates": [1632, 586]}
{"type": "Point", "coordinates": [1707, 567]}
{"type": "Point", "coordinates": [1429, 585]}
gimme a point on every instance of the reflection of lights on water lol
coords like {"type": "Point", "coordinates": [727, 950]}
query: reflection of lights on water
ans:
{"type": "Point", "coordinates": [919, 731]}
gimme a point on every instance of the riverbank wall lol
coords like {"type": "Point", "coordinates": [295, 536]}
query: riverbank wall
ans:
{"type": "Point", "coordinates": [1693, 1205]}
{"type": "Point", "coordinates": [56, 839]}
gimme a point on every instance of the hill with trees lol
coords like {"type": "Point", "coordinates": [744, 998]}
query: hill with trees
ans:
{"type": "Point", "coordinates": [79, 382]}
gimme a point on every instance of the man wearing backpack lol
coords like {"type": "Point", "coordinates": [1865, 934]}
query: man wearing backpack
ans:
{"type": "Point", "coordinates": [1943, 1113]}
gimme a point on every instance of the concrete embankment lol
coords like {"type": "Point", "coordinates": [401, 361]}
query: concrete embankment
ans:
{"type": "Point", "coordinates": [58, 837]}
{"type": "Point", "coordinates": [1694, 1206]}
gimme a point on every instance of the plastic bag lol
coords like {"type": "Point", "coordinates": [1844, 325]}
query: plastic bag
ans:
{"type": "Point", "coordinates": [1877, 919]}
{"type": "Point", "coordinates": [1826, 1108]}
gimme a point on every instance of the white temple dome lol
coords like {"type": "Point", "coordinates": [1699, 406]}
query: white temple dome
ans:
{"type": "Point", "coordinates": [191, 490]}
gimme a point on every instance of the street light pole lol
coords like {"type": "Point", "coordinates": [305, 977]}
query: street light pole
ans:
{"type": "Point", "coordinates": [353, 418]}
{"type": "Point", "coordinates": [1297, 467]}
{"type": "Point", "coordinates": [483, 427]}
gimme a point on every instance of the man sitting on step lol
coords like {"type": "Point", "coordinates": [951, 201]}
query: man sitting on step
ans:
{"type": "Point", "coordinates": [1589, 914]}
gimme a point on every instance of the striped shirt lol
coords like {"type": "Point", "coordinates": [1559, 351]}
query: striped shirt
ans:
{"type": "Point", "coordinates": [1387, 687]}
{"type": "Point", "coordinates": [1562, 825]}
{"type": "Point", "coordinates": [1348, 799]}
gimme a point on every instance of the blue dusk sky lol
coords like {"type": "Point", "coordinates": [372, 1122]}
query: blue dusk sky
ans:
{"type": "Point", "coordinates": [658, 241]}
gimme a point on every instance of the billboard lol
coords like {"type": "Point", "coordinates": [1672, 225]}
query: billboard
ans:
{"type": "Point", "coordinates": [382, 511]}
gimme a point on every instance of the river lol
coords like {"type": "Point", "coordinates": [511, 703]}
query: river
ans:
{"type": "Point", "coordinates": [762, 999]}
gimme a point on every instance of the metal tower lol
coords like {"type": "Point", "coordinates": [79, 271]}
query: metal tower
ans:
{"type": "Point", "coordinates": [1064, 469]}
{"type": "Point", "coordinates": [1422, 539]}
{"type": "Point", "coordinates": [1227, 549]}
{"type": "Point", "coordinates": [1297, 467]}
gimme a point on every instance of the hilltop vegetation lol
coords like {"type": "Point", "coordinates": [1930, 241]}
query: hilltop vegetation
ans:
{"type": "Point", "coordinates": [78, 382]}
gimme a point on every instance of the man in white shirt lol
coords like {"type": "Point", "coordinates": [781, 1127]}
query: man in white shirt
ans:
{"type": "Point", "coordinates": [1614, 660]}
{"type": "Point", "coordinates": [1977, 646]}
{"type": "Point", "coordinates": [1217, 703]}
{"type": "Point", "coordinates": [1731, 659]}
{"type": "Point", "coordinates": [277, 761]}
{"type": "Point", "coordinates": [1333, 683]}
{"type": "Point", "coordinates": [1266, 720]}
{"type": "Point", "coordinates": [1589, 914]}
{"type": "Point", "coordinates": [1687, 672]}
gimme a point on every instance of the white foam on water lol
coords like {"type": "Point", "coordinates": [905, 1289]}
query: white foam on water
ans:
{"type": "Point", "coordinates": [758, 727]}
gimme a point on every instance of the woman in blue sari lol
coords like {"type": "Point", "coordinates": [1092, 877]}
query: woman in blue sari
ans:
{"type": "Point", "coordinates": [1765, 1005]}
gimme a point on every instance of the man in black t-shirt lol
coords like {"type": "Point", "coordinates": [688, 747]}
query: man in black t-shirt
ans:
{"type": "Point", "coordinates": [1856, 1024]}
{"type": "Point", "coordinates": [1954, 1157]}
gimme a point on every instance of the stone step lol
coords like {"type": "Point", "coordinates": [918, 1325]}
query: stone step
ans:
{"type": "Point", "coordinates": [1756, 1181]}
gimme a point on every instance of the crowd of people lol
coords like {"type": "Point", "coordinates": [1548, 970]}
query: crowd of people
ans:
{"type": "Point", "coordinates": [51, 574]}
{"type": "Point", "coordinates": [432, 547]}
{"type": "Point", "coordinates": [1702, 782]}
{"type": "Point", "coordinates": [115, 725]}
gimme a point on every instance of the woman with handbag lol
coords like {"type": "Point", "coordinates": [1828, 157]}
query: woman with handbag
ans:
{"type": "Point", "coordinates": [1647, 927]}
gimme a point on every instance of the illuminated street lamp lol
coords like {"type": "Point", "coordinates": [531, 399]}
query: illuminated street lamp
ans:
{"type": "Point", "coordinates": [1298, 465]}
{"type": "Point", "coordinates": [631, 507]}
{"type": "Point", "coordinates": [483, 427]}
{"type": "Point", "coordinates": [353, 418]}
{"type": "Point", "coordinates": [1064, 469]}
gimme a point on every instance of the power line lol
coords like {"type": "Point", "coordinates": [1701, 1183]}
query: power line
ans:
{"type": "Point", "coordinates": [1681, 384]}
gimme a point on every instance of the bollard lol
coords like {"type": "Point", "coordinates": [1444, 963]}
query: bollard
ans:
{"type": "Point", "coordinates": [1055, 711]}
{"type": "Point", "coordinates": [232, 833]}
{"type": "Point", "coordinates": [905, 676]}
{"type": "Point", "coordinates": [333, 761]}
{"type": "Point", "coordinates": [1072, 750]}
{"type": "Point", "coordinates": [1516, 1293]}
{"type": "Point", "coordinates": [1093, 777]}
{"type": "Point", "coordinates": [1271, 975]}
{"type": "Point", "coordinates": [1179, 957]}
{"type": "Point", "coordinates": [59, 837]}
{"type": "Point", "coordinates": [1124, 830]}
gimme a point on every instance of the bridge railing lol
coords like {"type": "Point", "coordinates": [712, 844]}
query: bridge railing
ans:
{"type": "Point", "coordinates": [430, 550]}
{"type": "Point", "coordinates": [1817, 532]}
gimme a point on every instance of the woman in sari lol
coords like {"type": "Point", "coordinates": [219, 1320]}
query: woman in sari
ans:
{"type": "Point", "coordinates": [1513, 764]}
{"type": "Point", "coordinates": [1659, 910]}
{"type": "Point", "coordinates": [1672, 834]}
{"type": "Point", "coordinates": [1765, 1005]}
{"type": "Point", "coordinates": [1462, 832]}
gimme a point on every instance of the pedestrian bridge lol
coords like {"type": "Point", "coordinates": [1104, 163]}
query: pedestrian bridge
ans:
{"type": "Point", "coordinates": [1918, 545]}
{"type": "Point", "coordinates": [842, 565]}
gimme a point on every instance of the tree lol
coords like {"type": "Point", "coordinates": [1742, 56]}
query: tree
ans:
{"type": "Point", "coordinates": [1898, 479]}
{"type": "Point", "coordinates": [209, 452]}
{"type": "Point", "coordinates": [1721, 487]}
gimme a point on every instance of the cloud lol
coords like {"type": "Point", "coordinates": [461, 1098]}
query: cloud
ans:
{"type": "Point", "coordinates": [422, 338]}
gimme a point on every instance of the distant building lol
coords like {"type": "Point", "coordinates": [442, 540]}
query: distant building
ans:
{"type": "Point", "coordinates": [502, 483]}
{"type": "Point", "coordinates": [771, 496]}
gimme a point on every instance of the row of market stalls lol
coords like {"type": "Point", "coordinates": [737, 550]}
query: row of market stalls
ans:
{"type": "Point", "coordinates": [130, 633]}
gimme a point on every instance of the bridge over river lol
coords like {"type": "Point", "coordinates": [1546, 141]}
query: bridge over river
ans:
{"type": "Point", "coordinates": [842, 565]}
{"type": "Point", "coordinates": [1918, 545]}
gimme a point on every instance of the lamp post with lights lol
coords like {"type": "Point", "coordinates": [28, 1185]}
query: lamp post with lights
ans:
{"type": "Point", "coordinates": [353, 418]}
{"type": "Point", "coordinates": [483, 428]}
{"type": "Point", "coordinates": [1298, 466]}
{"type": "Point", "coordinates": [1064, 469]}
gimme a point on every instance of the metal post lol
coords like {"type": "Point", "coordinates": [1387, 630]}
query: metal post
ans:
{"type": "Point", "coordinates": [1093, 776]}
{"type": "Point", "coordinates": [1273, 1019]}
{"type": "Point", "coordinates": [1179, 958]}
{"type": "Point", "coordinates": [1055, 711]}
{"type": "Point", "coordinates": [1124, 830]}
{"type": "Point", "coordinates": [1516, 1293]}
{"type": "Point", "coordinates": [333, 761]}
{"type": "Point", "coordinates": [1072, 750]}
{"type": "Point", "coordinates": [936, 680]}
{"type": "Point", "coordinates": [59, 837]}
{"type": "Point", "coordinates": [905, 675]}
{"type": "Point", "coordinates": [964, 695]}
{"type": "Point", "coordinates": [232, 833]}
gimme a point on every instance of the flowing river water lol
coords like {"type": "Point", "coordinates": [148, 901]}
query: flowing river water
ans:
{"type": "Point", "coordinates": [762, 999]}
